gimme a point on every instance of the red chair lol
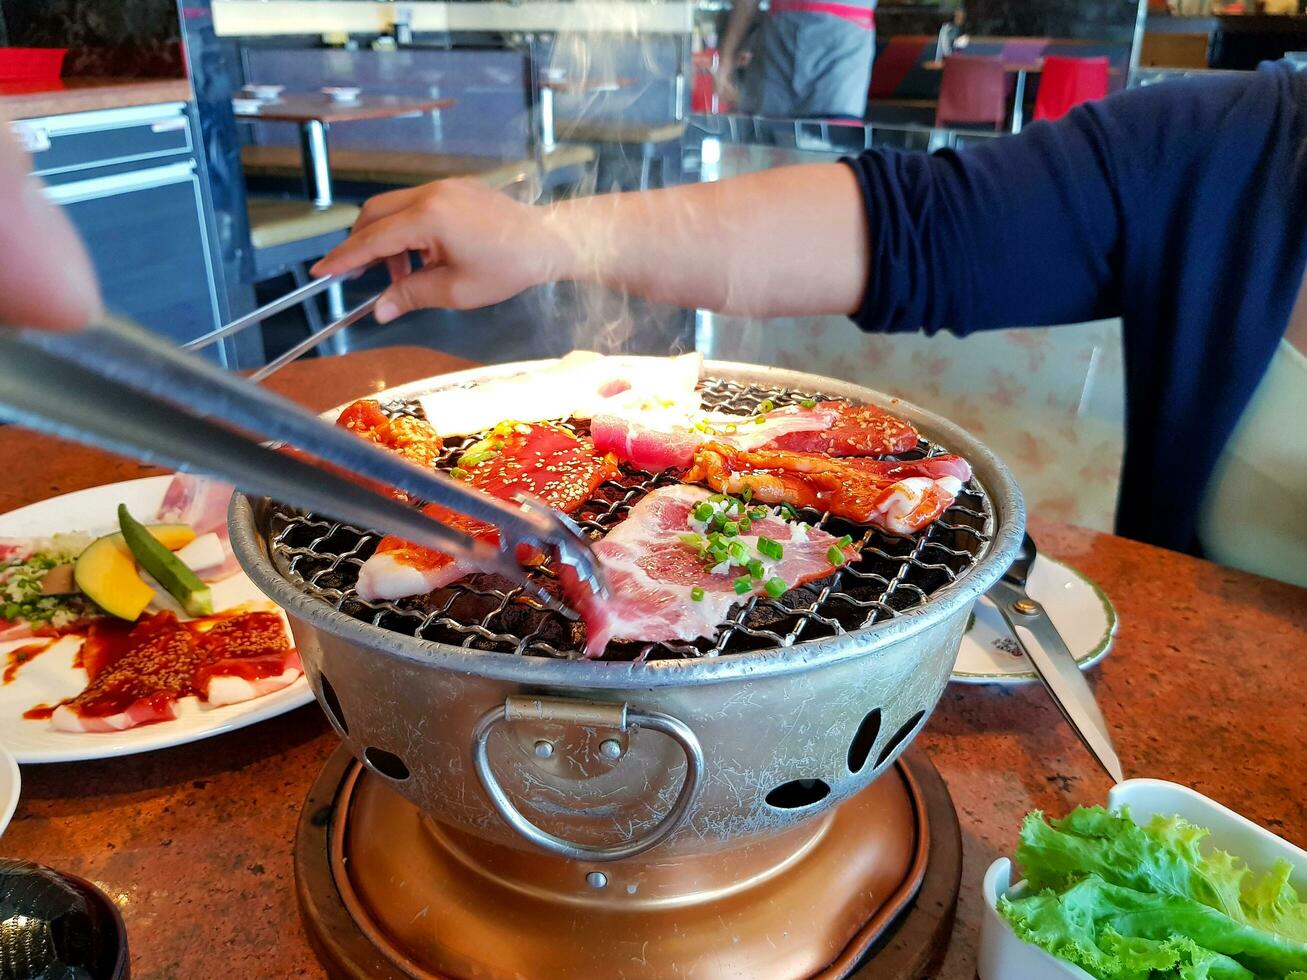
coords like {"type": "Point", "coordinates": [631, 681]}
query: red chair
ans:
{"type": "Point", "coordinates": [1067, 82]}
{"type": "Point", "coordinates": [31, 64]}
{"type": "Point", "coordinates": [972, 92]}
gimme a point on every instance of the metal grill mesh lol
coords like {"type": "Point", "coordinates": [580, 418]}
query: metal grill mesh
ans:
{"type": "Point", "coordinates": [891, 575]}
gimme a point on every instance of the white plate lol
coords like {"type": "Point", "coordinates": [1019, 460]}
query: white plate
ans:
{"type": "Point", "coordinates": [264, 93]}
{"type": "Point", "coordinates": [50, 676]}
{"type": "Point", "coordinates": [10, 783]}
{"type": "Point", "coordinates": [1078, 608]}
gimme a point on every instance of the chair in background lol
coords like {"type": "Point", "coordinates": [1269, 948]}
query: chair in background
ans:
{"type": "Point", "coordinates": [286, 235]}
{"type": "Point", "coordinates": [1067, 82]}
{"type": "Point", "coordinates": [973, 92]}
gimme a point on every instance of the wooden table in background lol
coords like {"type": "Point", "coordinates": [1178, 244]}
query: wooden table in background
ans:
{"type": "Point", "coordinates": [1205, 686]}
{"type": "Point", "coordinates": [315, 113]}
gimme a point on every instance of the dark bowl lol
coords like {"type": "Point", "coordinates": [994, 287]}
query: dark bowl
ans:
{"type": "Point", "coordinates": [57, 926]}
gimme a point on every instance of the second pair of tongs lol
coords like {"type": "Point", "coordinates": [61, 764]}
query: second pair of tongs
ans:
{"type": "Point", "coordinates": [116, 386]}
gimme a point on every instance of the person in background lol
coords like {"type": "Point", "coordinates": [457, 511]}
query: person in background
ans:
{"type": "Point", "coordinates": [1176, 207]}
{"type": "Point", "coordinates": [811, 58]}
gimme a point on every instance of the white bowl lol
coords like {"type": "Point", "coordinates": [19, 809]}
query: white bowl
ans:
{"type": "Point", "coordinates": [1005, 956]}
{"type": "Point", "coordinates": [264, 93]}
{"type": "Point", "coordinates": [339, 93]}
{"type": "Point", "coordinates": [10, 783]}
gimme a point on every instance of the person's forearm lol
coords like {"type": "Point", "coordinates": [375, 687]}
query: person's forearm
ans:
{"type": "Point", "coordinates": [737, 26]}
{"type": "Point", "coordinates": [785, 242]}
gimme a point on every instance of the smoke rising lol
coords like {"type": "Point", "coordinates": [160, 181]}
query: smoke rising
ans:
{"type": "Point", "coordinates": [611, 74]}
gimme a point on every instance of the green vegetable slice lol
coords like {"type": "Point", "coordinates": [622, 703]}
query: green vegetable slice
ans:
{"type": "Point", "coordinates": [776, 587]}
{"type": "Point", "coordinates": [168, 570]}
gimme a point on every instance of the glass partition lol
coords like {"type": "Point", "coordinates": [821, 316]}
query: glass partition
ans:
{"type": "Point", "coordinates": [1048, 400]}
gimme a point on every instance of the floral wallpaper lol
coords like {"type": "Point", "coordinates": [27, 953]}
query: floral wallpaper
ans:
{"type": "Point", "coordinates": [1048, 400]}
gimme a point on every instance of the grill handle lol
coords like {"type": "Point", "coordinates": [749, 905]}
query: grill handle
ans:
{"type": "Point", "coordinates": [589, 714]}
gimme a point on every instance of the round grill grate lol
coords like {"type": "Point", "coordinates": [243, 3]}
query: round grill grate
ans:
{"type": "Point", "coordinates": [891, 575]}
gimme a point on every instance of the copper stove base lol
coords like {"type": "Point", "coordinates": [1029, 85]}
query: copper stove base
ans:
{"type": "Point", "coordinates": [868, 889]}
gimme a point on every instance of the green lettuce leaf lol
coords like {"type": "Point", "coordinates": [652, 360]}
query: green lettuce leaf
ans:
{"type": "Point", "coordinates": [1145, 903]}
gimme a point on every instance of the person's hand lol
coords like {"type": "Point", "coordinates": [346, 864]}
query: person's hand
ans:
{"type": "Point", "coordinates": [724, 84]}
{"type": "Point", "coordinates": [46, 279]}
{"type": "Point", "coordinates": [477, 247]}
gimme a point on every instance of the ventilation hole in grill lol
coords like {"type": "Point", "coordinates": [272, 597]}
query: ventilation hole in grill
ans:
{"type": "Point", "coordinates": [898, 738]}
{"type": "Point", "coordinates": [386, 763]}
{"type": "Point", "coordinates": [331, 704]}
{"type": "Point", "coordinates": [798, 793]}
{"type": "Point", "coordinates": [863, 740]}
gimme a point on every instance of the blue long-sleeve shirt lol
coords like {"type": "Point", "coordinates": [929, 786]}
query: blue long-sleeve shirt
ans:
{"type": "Point", "coordinates": [1181, 208]}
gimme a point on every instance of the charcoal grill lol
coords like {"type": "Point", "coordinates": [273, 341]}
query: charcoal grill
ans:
{"type": "Point", "coordinates": [597, 784]}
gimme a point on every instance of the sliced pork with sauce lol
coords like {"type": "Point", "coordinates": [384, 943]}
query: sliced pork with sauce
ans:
{"type": "Point", "coordinates": [898, 497]}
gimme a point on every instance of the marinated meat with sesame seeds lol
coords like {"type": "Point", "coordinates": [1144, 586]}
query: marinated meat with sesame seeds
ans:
{"type": "Point", "coordinates": [138, 672]}
{"type": "Point", "coordinates": [858, 430]}
{"type": "Point", "coordinates": [547, 461]}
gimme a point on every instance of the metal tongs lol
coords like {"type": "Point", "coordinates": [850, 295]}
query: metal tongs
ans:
{"type": "Point", "coordinates": [118, 387]}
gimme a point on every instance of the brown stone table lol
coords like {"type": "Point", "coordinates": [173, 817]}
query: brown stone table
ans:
{"type": "Point", "coordinates": [1204, 687]}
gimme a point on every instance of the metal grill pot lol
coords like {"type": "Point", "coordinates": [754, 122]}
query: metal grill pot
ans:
{"type": "Point", "coordinates": [604, 760]}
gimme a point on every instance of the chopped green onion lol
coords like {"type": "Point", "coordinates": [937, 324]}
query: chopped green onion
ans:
{"type": "Point", "coordinates": [731, 428]}
{"type": "Point", "coordinates": [743, 585]}
{"type": "Point", "coordinates": [745, 524]}
{"type": "Point", "coordinates": [731, 528]}
{"type": "Point", "coordinates": [809, 403]}
{"type": "Point", "coordinates": [718, 555]}
{"type": "Point", "coordinates": [844, 542]}
{"type": "Point", "coordinates": [737, 552]}
{"type": "Point", "coordinates": [747, 493]}
{"type": "Point", "coordinates": [458, 473]}
{"type": "Point", "coordinates": [696, 594]}
{"type": "Point", "coordinates": [759, 419]}
{"type": "Point", "coordinates": [703, 511]}
{"type": "Point", "coordinates": [767, 405]}
{"type": "Point", "coordinates": [788, 512]}
{"type": "Point", "coordinates": [758, 513]}
{"type": "Point", "coordinates": [717, 498]}
{"type": "Point", "coordinates": [776, 587]}
{"type": "Point", "coordinates": [755, 568]}
{"type": "Point", "coordinates": [771, 549]}
{"type": "Point", "coordinates": [693, 540]}
{"type": "Point", "coordinates": [835, 556]}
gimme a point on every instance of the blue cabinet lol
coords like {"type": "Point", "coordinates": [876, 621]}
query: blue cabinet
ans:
{"type": "Point", "coordinates": [130, 182]}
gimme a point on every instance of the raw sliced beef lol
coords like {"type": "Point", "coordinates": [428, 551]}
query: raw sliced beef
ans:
{"type": "Point", "coordinates": [661, 440]}
{"type": "Point", "coordinates": [202, 504]}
